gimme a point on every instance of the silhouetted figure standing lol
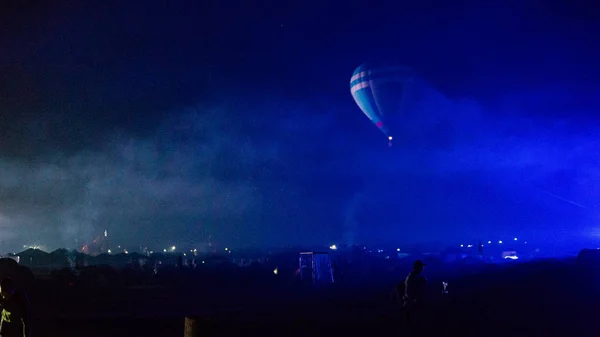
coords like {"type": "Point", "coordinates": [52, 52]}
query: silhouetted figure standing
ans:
{"type": "Point", "coordinates": [414, 293]}
{"type": "Point", "coordinates": [16, 311]}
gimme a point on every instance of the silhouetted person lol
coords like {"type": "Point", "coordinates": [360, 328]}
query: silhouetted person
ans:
{"type": "Point", "coordinates": [444, 288]}
{"type": "Point", "coordinates": [414, 293]}
{"type": "Point", "coordinates": [398, 293]}
{"type": "Point", "coordinates": [16, 311]}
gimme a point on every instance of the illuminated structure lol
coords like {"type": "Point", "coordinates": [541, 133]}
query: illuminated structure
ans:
{"type": "Point", "coordinates": [512, 255]}
{"type": "Point", "coordinates": [98, 246]}
{"type": "Point", "coordinates": [316, 267]}
{"type": "Point", "coordinates": [106, 243]}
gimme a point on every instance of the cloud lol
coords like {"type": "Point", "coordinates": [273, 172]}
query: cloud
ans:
{"type": "Point", "coordinates": [469, 169]}
{"type": "Point", "coordinates": [219, 170]}
{"type": "Point", "coordinates": [6, 228]}
{"type": "Point", "coordinates": [132, 186]}
{"type": "Point", "coordinates": [274, 170]}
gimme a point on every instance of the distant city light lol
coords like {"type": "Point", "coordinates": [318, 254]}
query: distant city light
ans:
{"type": "Point", "coordinates": [333, 247]}
{"type": "Point", "coordinates": [165, 250]}
{"type": "Point", "coordinates": [105, 233]}
{"type": "Point", "coordinates": [512, 257]}
{"type": "Point", "coordinates": [226, 248]}
{"type": "Point", "coordinates": [500, 241]}
{"type": "Point", "coordinates": [397, 249]}
{"type": "Point", "coordinates": [126, 251]}
{"type": "Point", "coordinates": [469, 246]}
{"type": "Point", "coordinates": [489, 242]}
{"type": "Point", "coordinates": [515, 239]}
{"type": "Point", "coordinates": [275, 271]}
{"type": "Point", "coordinates": [110, 251]}
{"type": "Point", "coordinates": [461, 246]}
{"type": "Point", "coordinates": [173, 248]}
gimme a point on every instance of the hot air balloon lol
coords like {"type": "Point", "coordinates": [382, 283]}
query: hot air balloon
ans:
{"type": "Point", "coordinates": [382, 92]}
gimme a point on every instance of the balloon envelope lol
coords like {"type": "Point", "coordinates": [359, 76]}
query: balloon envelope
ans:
{"type": "Point", "coordinates": [382, 93]}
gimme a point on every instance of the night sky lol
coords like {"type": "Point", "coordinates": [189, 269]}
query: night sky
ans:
{"type": "Point", "coordinates": [169, 122]}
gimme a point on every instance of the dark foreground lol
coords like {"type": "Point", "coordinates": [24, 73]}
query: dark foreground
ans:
{"type": "Point", "coordinates": [551, 299]}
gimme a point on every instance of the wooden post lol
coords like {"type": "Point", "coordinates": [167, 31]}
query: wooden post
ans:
{"type": "Point", "coordinates": [196, 326]}
{"type": "Point", "coordinates": [190, 327]}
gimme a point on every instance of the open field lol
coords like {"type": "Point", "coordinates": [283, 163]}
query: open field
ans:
{"type": "Point", "coordinates": [524, 300]}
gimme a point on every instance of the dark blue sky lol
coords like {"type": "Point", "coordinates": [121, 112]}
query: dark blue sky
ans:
{"type": "Point", "coordinates": [166, 123]}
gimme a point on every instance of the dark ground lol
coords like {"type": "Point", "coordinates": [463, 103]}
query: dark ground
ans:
{"type": "Point", "coordinates": [544, 299]}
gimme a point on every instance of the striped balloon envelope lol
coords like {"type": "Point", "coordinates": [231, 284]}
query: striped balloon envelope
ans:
{"type": "Point", "coordinates": [382, 93]}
